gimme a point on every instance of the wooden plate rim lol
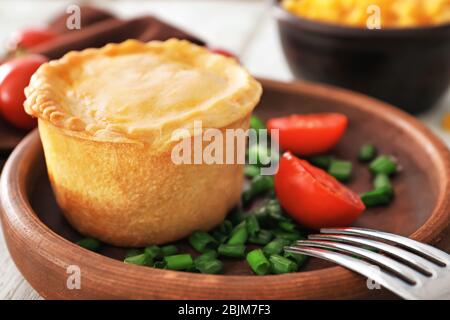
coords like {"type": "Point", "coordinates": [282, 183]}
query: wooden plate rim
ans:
{"type": "Point", "coordinates": [20, 220]}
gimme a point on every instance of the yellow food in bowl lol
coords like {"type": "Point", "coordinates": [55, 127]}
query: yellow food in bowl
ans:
{"type": "Point", "coordinates": [355, 13]}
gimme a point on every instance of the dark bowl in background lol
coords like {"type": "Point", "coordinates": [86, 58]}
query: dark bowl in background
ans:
{"type": "Point", "coordinates": [409, 67]}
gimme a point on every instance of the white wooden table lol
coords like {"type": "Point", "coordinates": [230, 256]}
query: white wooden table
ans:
{"type": "Point", "coordinates": [244, 27]}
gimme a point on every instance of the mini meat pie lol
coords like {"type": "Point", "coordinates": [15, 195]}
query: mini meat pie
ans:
{"type": "Point", "coordinates": [106, 118]}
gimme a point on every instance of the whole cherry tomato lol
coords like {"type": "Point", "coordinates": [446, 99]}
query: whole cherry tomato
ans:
{"type": "Point", "coordinates": [30, 37]}
{"type": "Point", "coordinates": [15, 75]}
{"type": "Point", "coordinates": [310, 133]}
{"type": "Point", "coordinates": [313, 197]}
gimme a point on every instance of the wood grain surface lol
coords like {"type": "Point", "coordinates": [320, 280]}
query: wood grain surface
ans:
{"type": "Point", "coordinates": [41, 242]}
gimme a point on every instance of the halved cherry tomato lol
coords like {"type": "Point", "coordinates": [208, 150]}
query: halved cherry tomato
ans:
{"type": "Point", "coordinates": [313, 197]}
{"type": "Point", "coordinates": [15, 75]}
{"type": "Point", "coordinates": [311, 133]}
{"type": "Point", "coordinates": [30, 37]}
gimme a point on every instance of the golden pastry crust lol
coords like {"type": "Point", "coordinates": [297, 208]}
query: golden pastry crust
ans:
{"type": "Point", "coordinates": [141, 92]}
{"type": "Point", "coordinates": [106, 117]}
{"type": "Point", "coordinates": [125, 195]}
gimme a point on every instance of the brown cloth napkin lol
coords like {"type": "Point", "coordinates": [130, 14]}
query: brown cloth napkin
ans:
{"type": "Point", "coordinates": [99, 27]}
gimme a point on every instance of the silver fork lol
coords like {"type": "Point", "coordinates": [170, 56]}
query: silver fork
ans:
{"type": "Point", "coordinates": [408, 268]}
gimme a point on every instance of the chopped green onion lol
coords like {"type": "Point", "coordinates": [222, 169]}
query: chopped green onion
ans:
{"type": "Point", "coordinates": [219, 236]}
{"type": "Point", "coordinates": [321, 161]}
{"type": "Point", "coordinates": [383, 164]}
{"type": "Point", "coordinates": [256, 123]}
{"type": "Point", "coordinates": [208, 255]}
{"type": "Point", "coordinates": [237, 216]}
{"type": "Point", "coordinates": [202, 241]}
{"type": "Point", "coordinates": [282, 265]}
{"type": "Point", "coordinates": [239, 235]}
{"type": "Point", "coordinates": [377, 197]}
{"type": "Point", "coordinates": [259, 185]}
{"type": "Point", "coordinates": [275, 246]}
{"type": "Point", "coordinates": [252, 225]}
{"type": "Point", "coordinates": [153, 251]}
{"type": "Point", "coordinates": [272, 210]}
{"type": "Point", "coordinates": [141, 260]}
{"type": "Point", "coordinates": [90, 244]}
{"type": "Point", "coordinates": [258, 262]}
{"type": "Point", "coordinates": [287, 226]}
{"type": "Point", "coordinates": [209, 266]}
{"type": "Point", "coordinates": [160, 265]}
{"type": "Point", "coordinates": [226, 227]}
{"type": "Point", "coordinates": [263, 237]}
{"type": "Point", "coordinates": [179, 262]}
{"type": "Point", "coordinates": [300, 259]}
{"type": "Point", "coordinates": [169, 250]}
{"type": "Point", "coordinates": [382, 181]}
{"type": "Point", "coordinates": [291, 236]}
{"type": "Point", "coordinates": [251, 171]}
{"type": "Point", "coordinates": [341, 170]}
{"type": "Point", "coordinates": [232, 250]}
{"type": "Point", "coordinates": [367, 152]}
{"type": "Point", "coordinates": [133, 252]}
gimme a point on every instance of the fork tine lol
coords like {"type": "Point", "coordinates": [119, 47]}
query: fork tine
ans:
{"type": "Point", "coordinates": [401, 270]}
{"type": "Point", "coordinates": [438, 257]}
{"type": "Point", "coordinates": [414, 260]}
{"type": "Point", "coordinates": [362, 267]}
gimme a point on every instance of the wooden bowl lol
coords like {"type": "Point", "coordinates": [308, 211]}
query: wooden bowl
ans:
{"type": "Point", "coordinates": [41, 241]}
{"type": "Point", "coordinates": [409, 67]}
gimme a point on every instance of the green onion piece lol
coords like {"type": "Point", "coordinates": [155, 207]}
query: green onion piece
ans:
{"type": "Point", "coordinates": [169, 250]}
{"type": "Point", "coordinates": [287, 226]}
{"type": "Point", "coordinates": [382, 181]}
{"type": "Point", "coordinates": [271, 210]}
{"type": "Point", "coordinates": [219, 236]}
{"type": "Point", "coordinates": [251, 171]}
{"type": "Point", "coordinates": [300, 259]}
{"type": "Point", "coordinates": [141, 260]}
{"type": "Point", "coordinates": [202, 241]}
{"type": "Point", "coordinates": [256, 123]}
{"type": "Point", "coordinates": [252, 225]}
{"type": "Point", "coordinates": [226, 227]}
{"type": "Point", "coordinates": [321, 161]}
{"type": "Point", "coordinates": [341, 170]}
{"type": "Point", "coordinates": [239, 235]}
{"type": "Point", "coordinates": [160, 265]}
{"type": "Point", "coordinates": [383, 164]}
{"type": "Point", "coordinates": [179, 262]}
{"type": "Point", "coordinates": [275, 246]}
{"type": "Point", "coordinates": [259, 185]}
{"type": "Point", "coordinates": [263, 237]}
{"type": "Point", "coordinates": [153, 251]}
{"type": "Point", "coordinates": [232, 250]}
{"type": "Point", "coordinates": [291, 236]}
{"type": "Point", "coordinates": [90, 244]}
{"type": "Point", "coordinates": [377, 197]}
{"type": "Point", "coordinates": [237, 216]}
{"type": "Point", "coordinates": [209, 266]}
{"type": "Point", "coordinates": [367, 152]}
{"type": "Point", "coordinates": [133, 252]}
{"type": "Point", "coordinates": [258, 262]}
{"type": "Point", "coordinates": [208, 255]}
{"type": "Point", "coordinates": [282, 265]}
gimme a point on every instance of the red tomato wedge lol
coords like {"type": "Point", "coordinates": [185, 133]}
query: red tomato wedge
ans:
{"type": "Point", "coordinates": [313, 197]}
{"type": "Point", "coordinates": [310, 133]}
